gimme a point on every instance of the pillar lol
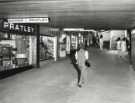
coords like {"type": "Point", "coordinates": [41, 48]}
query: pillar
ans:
{"type": "Point", "coordinates": [38, 46]}
{"type": "Point", "coordinates": [130, 45]}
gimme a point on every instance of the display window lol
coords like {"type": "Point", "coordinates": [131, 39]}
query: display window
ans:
{"type": "Point", "coordinates": [68, 42]}
{"type": "Point", "coordinates": [48, 48]}
{"type": "Point", "coordinates": [16, 51]}
{"type": "Point", "coordinates": [80, 38]}
{"type": "Point", "coordinates": [74, 42]}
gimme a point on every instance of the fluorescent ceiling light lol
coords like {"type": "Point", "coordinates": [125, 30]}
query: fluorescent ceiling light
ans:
{"type": "Point", "coordinates": [73, 29]}
{"type": "Point", "coordinates": [78, 29]}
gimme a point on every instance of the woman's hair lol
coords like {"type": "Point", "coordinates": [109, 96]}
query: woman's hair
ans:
{"type": "Point", "coordinates": [81, 46]}
{"type": "Point", "coordinates": [124, 39]}
{"type": "Point", "coordinates": [101, 36]}
{"type": "Point", "coordinates": [86, 48]}
{"type": "Point", "coordinates": [118, 39]}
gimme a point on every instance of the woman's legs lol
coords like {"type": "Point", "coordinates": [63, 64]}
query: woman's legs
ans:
{"type": "Point", "coordinates": [83, 75]}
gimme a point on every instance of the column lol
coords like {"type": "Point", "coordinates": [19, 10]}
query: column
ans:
{"type": "Point", "coordinates": [130, 46]}
{"type": "Point", "coordinates": [38, 46]}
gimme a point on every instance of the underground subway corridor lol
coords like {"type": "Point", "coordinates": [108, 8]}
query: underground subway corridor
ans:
{"type": "Point", "coordinates": [67, 51]}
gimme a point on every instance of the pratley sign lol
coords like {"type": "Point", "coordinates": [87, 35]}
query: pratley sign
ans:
{"type": "Point", "coordinates": [18, 27]}
{"type": "Point", "coordinates": [29, 20]}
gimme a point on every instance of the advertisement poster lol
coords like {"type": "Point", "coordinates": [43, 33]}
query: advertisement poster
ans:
{"type": "Point", "coordinates": [62, 40]}
{"type": "Point", "coordinates": [48, 47]}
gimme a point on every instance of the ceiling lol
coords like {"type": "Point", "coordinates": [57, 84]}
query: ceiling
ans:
{"type": "Point", "coordinates": [91, 14]}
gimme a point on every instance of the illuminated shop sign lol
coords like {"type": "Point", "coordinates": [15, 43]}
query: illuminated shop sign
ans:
{"type": "Point", "coordinates": [29, 20]}
{"type": "Point", "coordinates": [18, 27]}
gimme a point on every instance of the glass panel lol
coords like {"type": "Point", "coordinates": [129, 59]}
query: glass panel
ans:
{"type": "Point", "coordinates": [47, 48]}
{"type": "Point", "coordinates": [15, 51]}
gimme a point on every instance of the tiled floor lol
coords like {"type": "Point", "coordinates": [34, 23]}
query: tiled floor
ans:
{"type": "Point", "coordinates": [109, 81]}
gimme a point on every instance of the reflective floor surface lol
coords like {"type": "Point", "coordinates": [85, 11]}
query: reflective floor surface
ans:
{"type": "Point", "coordinates": [110, 80]}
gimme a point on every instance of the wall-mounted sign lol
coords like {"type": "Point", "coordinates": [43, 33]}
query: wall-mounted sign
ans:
{"type": "Point", "coordinates": [18, 27]}
{"type": "Point", "coordinates": [29, 20]}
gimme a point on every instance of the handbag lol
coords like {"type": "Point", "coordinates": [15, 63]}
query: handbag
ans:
{"type": "Point", "coordinates": [87, 63]}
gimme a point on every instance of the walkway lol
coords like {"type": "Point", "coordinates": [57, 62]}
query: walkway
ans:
{"type": "Point", "coordinates": [110, 81]}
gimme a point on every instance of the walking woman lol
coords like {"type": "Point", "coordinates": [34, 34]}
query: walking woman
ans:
{"type": "Point", "coordinates": [101, 42]}
{"type": "Point", "coordinates": [81, 57]}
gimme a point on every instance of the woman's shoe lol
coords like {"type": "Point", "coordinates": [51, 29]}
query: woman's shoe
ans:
{"type": "Point", "coordinates": [79, 85]}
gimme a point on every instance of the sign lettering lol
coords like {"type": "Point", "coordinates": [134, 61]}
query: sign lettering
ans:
{"type": "Point", "coordinates": [18, 27]}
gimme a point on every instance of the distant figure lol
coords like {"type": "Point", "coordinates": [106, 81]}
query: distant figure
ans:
{"type": "Point", "coordinates": [118, 44]}
{"type": "Point", "coordinates": [97, 41]}
{"type": "Point", "coordinates": [81, 56]}
{"type": "Point", "coordinates": [128, 44]}
{"type": "Point", "coordinates": [123, 45]}
{"type": "Point", "coordinates": [123, 48]}
{"type": "Point", "coordinates": [101, 42]}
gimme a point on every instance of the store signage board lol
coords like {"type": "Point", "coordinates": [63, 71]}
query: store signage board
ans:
{"type": "Point", "coordinates": [29, 20]}
{"type": "Point", "coordinates": [18, 27]}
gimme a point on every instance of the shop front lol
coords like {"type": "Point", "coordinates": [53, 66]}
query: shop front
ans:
{"type": "Point", "coordinates": [17, 46]}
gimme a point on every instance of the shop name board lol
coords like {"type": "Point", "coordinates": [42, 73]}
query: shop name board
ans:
{"type": "Point", "coordinates": [29, 20]}
{"type": "Point", "coordinates": [18, 27]}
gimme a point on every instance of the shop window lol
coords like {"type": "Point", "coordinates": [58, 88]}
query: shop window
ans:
{"type": "Point", "coordinates": [15, 51]}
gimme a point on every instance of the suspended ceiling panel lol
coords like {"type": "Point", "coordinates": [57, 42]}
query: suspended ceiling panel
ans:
{"type": "Point", "coordinates": [97, 14]}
